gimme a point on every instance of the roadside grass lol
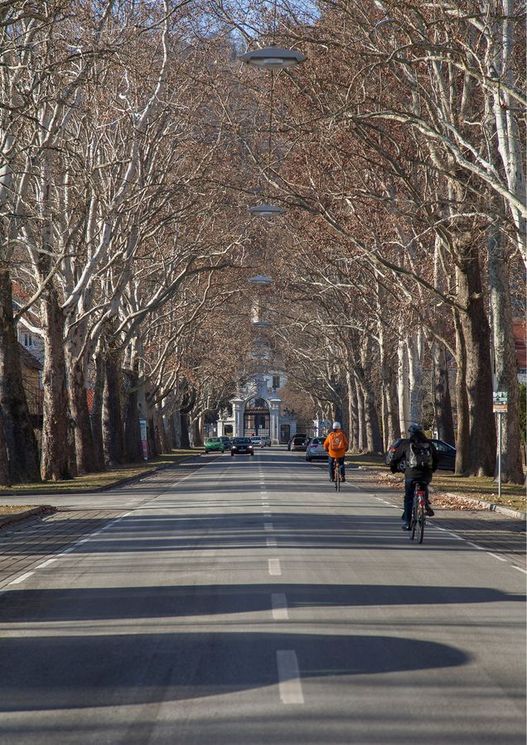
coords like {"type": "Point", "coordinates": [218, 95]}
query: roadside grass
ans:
{"type": "Point", "coordinates": [475, 487]}
{"type": "Point", "coordinates": [90, 481]}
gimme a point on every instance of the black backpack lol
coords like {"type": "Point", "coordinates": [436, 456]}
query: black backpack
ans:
{"type": "Point", "coordinates": [420, 456]}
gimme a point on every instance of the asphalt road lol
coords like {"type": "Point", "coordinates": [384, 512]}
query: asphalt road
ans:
{"type": "Point", "coordinates": [247, 604]}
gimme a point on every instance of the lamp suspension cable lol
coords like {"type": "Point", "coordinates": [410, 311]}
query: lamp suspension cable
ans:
{"type": "Point", "coordinates": [270, 136]}
{"type": "Point", "coordinates": [274, 21]}
{"type": "Point", "coordinates": [271, 92]}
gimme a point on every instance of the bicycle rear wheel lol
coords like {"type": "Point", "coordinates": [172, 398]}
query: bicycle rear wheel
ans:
{"type": "Point", "coordinates": [337, 477]}
{"type": "Point", "coordinates": [421, 519]}
{"type": "Point", "coordinates": [413, 520]}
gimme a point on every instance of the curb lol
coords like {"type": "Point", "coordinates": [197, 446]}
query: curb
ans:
{"type": "Point", "coordinates": [98, 489]}
{"type": "Point", "coordinates": [491, 506]}
{"type": "Point", "coordinates": [18, 516]}
{"type": "Point", "coordinates": [488, 505]}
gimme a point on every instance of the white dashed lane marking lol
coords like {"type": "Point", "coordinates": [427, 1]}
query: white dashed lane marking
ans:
{"type": "Point", "coordinates": [279, 606]}
{"type": "Point", "coordinates": [289, 677]}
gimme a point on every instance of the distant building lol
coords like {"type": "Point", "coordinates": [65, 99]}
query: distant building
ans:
{"type": "Point", "coordinates": [32, 382]}
{"type": "Point", "coordinates": [31, 349]}
{"type": "Point", "coordinates": [257, 411]}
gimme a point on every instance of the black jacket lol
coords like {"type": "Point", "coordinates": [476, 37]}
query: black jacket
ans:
{"type": "Point", "coordinates": [402, 452]}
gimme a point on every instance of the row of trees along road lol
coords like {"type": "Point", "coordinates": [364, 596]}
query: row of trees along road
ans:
{"type": "Point", "coordinates": [131, 143]}
{"type": "Point", "coordinates": [401, 137]}
{"type": "Point", "coordinates": [113, 231]}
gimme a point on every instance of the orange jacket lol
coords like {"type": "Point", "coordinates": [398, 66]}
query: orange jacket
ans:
{"type": "Point", "coordinates": [336, 452]}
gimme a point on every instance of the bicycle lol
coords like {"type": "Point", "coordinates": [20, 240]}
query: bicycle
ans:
{"type": "Point", "coordinates": [418, 517]}
{"type": "Point", "coordinates": [336, 474]}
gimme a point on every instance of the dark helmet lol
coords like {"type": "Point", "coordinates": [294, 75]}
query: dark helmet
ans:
{"type": "Point", "coordinates": [414, 428]}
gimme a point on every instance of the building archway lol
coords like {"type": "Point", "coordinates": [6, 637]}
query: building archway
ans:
{"type": "Point", "coordinates": [257, 418]}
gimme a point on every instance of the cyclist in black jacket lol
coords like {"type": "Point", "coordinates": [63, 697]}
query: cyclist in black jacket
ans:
{"type": "Point", "coordinates": [420, 461]}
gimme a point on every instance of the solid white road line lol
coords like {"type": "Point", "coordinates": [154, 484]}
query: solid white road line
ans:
{"type": "Point", "coordinates": [275, 570]}
{"type": "Point", "coordinates": [21, 578]}
{"type": "Point", "coordinates": [495, 556]}
{"type": "Point", "coordinates": [279, 605]}
{"type": "Point", "coordinates": [46, 563]}
{"type": "Point", "coordinates": [519, 569]}
{"type": "Point", "coordinates": [289, 677]}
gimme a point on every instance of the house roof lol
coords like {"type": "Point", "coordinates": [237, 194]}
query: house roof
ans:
{"type": "Point", "coordinates": [27, 359]}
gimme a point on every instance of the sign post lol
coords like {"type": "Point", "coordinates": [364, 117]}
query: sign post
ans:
{"type": "Point", "coordinates": [500, 405]}
{"type": "Point", "coordinates": [143, 427]}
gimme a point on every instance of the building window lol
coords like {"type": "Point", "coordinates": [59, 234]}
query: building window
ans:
{"type": "Point", "coordinates": [27, 339]}
{"type": "Point", "coordinates": [276, 381]}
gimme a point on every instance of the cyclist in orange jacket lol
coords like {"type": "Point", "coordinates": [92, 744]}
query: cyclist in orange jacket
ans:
{"type": "Point", "coordinates": [336, 443]}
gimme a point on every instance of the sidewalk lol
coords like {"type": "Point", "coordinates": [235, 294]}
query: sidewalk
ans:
{"type": "Point", "coordinates": [454, 492]}
{"type": "Point", "coordinates": [45, 497]}
{"type": "Point", "coordinates": [487, 529]}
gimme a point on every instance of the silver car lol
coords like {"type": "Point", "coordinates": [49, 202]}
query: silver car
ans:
{"type": "Point", "coordinates": [315, 449]}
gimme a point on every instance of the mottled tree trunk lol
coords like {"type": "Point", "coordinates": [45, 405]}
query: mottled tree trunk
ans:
{"type": "Point", "coordinates": [163, 440]}
{"type": "Point", "coordinates": [153, 439]}
{"type": "Point", "coordinates": [373, 432]}
{"type": "Point", "coordinates": [96, 414]}
{"type": "Point", "coordinates": [55, 457]}
{"type": "Point", "coordinates": [415, 377]}
{"type": "Point", "coordinates": [505, 363]}
{"type": "Point", "coordinates": [462, 410]}
{"type": "Point", "coordinates": [20, 442]}
{"type": "Point", "coordinates": [83, 435]}
{"type": "Point", "coordinates": [185, 438]}
{"type": "Point", "coordinates": [172, 433]}
{"type": "Point", "coordinates": [361, 426]}
{"type": "Point", "coordinates": [195, 433]}
{"type": "Point", "coordinates": [4, 463]}
{"type": "Point", "coordinates": [441, 395]}
{"type": "Point", "coordinates": [132, 430]}
{"type": "Point", "coordinates": [402, 386]}
{"type": "Point", "coordinates": [352, 412]}
{"type": "Point", "coordinates": [476, 332]}
{"type": "Point", "coordinates": [112, 425]}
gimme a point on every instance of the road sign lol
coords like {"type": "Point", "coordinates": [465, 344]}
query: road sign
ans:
{"type": "Point", "coordinates": [500, 408]}
{"type": "Point", "coordinates": [500, 397]}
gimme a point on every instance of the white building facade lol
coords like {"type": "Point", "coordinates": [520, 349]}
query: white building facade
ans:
{"type": "Point", "coordinates": [257, 411]}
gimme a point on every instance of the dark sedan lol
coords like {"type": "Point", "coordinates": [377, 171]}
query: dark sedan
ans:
{"type": "Point", "coordinates": [299, 442]}
{"type": "Point", "coordinates": [446, 454]}
{"type": "Point", "coordinates": [242, 445]}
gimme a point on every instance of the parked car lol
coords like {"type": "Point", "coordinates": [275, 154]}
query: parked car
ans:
{"type": "Point", "coordinates": [446, 454]}
{"type": "Point", "coordinates": [242, 445]}
{"type": "Point", "coordinates": [315, 449]}
{"type": "Point", "coordinates": [257, 442]}
{"type": "Point", "coordinates": [290, 443]}
{"type": "Point", "coordinates": [227, 442]}
{"type": "Point", "coordinates": [214, 444]}
{"type": "Point", "coordinates": [266, 442]}
{"type": "Point", "coordinates": [298, 442]}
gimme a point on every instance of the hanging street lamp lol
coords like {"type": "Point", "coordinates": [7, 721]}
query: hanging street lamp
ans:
{"type": "Point", "coordinates": [261, 279]}
{"type": "Point", "coordinates": [266, 210]}
{"type": "Point", "coordinates": [272, 58]}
